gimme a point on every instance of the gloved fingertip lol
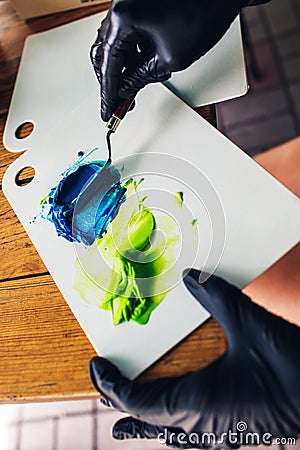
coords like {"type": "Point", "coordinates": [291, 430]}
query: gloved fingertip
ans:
{"type": "Point", "coordinates": [192, 281]}
{"type": "Point", "coordinates": [100, 370]}
{"type": "Point", "coordinates": [220, 298]}
{"type": "Point", "coordinates": [102, 366]}
{"type": "Point", "coordinates": [191, 273]}
{"type": "Point", "coordinates": [93, 370]}
{"type": "Point", "coordinates": [132, 428]}
{"type": "Point", "coordinates": [124, 429]}
{"type": "Point", "coordinates": [120, 435]}
{"type": "Point", "coordinates": [105, 114]}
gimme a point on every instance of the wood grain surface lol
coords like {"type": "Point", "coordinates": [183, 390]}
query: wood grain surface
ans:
{"type": "Point", "coordinates": [44, 354]}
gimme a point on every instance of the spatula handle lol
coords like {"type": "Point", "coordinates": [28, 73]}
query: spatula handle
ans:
{"type": "Point", "coordinates": [119, 113]}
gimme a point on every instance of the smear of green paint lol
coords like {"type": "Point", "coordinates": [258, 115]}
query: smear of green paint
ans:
{"type": "Point", "coordinates": [179, 198]}
{"type": "Point", "coordinates": [134, 270]}
{"type": "Point", "coordinates": [44, 200]}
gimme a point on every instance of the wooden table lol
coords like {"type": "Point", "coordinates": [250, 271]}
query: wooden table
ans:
{"type": "Point", "coordinates": [44, 354]}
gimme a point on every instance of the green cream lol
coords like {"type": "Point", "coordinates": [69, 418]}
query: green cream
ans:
{"type": "Point", "coordinates": [179, 198]}
{"type": "Point", "coordinates": [131, 268]}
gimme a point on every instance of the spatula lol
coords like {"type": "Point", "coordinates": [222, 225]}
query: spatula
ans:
{"type": "Point", "coordinates": [115, 119]}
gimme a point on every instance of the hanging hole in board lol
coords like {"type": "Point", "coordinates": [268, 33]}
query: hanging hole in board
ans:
{"type": "Point", "coordinates": [25, 176]}
{"type": "Point", "coordinates": [24, 130]}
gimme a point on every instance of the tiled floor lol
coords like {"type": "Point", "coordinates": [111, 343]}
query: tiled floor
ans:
{"type": "Point", "coordinates": [78, 425]}
{"type": "Point", "coordinates": [268, 115]}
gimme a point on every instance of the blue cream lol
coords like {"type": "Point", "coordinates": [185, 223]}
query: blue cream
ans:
{"type": "Point", "coordinates": [85, 201]}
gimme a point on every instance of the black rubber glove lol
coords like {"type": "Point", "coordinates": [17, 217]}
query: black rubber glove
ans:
{"type": "Point", "coordinates": [255, 385]}
{"type": "Point", "coordinates": [170, 35]}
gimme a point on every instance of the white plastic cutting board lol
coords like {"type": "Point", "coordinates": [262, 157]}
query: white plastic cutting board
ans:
{"type": "Point", "coordinates": [56, 75]}
{"type": "Point", "coordinates": [238, 205]}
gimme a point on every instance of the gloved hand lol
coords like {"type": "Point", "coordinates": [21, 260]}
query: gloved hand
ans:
{"type": "Point", "coordinates": [170, 35]}
{"type": "Point", "coordinates": [254, 385]}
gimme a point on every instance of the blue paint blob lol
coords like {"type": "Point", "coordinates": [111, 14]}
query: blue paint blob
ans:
{"type": "Point", "coordinates": [85, 201]}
